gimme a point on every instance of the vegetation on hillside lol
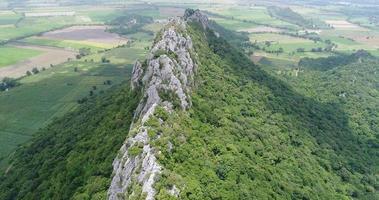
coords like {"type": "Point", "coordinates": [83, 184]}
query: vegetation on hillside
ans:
{"type": "Point", "coordinates": [72, 157]}
{"type": "Point", "coordinates": [250, 136]}
{"type": "Point", "coordinates": [333, 61]}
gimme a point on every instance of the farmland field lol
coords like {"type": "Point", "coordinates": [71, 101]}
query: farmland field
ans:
{"type": "Point", "coordinates": [11, 55]}
{"type": "Point", "coordinates": [76, 37]}
{"type": "Point", "coordinates": [49, 94]}
{"type": "Point", "coordinates": [56, 91]}
{"type": "Point", "coordinates": [254, 14]}
{"type": "Point", "coordinates": [88, 35]}
{"type": "Point", "coordinates": [288, 43]}
{"type": "Point", "coordinates": [45, 57]}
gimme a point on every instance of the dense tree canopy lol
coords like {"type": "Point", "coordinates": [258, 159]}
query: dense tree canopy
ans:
{"type": "Point", "coordinates": [248, 135]}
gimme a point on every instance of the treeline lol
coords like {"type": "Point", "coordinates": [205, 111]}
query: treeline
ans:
{"type": "Point", "coordinates": [333, 61]}
{"type": "Point", "coordinates": [8, 83]}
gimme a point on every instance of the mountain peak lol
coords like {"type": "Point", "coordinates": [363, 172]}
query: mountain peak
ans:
{"type": "Point", "coordinates": [165, 79]}
{"type": "Point", "coordinates": [196, 16]}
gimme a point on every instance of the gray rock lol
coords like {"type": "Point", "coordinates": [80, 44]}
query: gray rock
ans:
{"type": "Point", "coordinates": [196, 16]}
{"type": "Point", "coordinates": [168, 73]}
{"type": "Point", "coordinates": [136, 75]}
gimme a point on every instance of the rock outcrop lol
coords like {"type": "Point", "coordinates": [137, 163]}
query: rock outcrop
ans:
{"type": "Point", "coordinates": [166, 79]}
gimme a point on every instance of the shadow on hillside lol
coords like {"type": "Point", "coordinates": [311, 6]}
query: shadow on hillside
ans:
{"type": "Point", "coordinates": [325, 122]}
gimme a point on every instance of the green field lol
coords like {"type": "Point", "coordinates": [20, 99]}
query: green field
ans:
{"type": "Point", "coordinates": [30, 26]}
{"type": "Point", "coordinates": [254, 14]}
{"type": "Point", "coordinates": [8, 18]}
{"type": "Point", "coordinates": [54, 92]}
{"type": "Point", "coordinates": [10, 55]}
{"type": "Point", "coordinates": [234, 24]}
{"type": "Point", "coordinates": [71, 44]}
{"type": "Point", "coordinates": [288, 43]}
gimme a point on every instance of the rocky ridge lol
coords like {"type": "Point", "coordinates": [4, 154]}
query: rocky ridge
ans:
{"type": "Point", "coordinates": [166, 79]}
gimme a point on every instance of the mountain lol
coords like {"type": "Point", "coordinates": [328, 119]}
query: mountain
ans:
{"type": "Point", "coordinates": [198, 120]}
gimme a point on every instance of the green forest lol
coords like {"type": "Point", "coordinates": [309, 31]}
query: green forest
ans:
{"type": "Point", "coordinates": [250, 134]}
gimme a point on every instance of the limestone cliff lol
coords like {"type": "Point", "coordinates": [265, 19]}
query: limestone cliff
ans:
{"type": "Point", "coordinates": [166, 79]}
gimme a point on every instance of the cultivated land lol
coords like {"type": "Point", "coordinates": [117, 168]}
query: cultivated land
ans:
{"type": "Point", "coordinates": [288, 43]}
{"type": "Point", "coordinates": [54, 47]}
{"type": "Point", "coordinates": [56, 91]}
{"type": "Point", "coordinates": [41, 41]}
{"type": "Point", "coordinates": [45, 57]}
{"type": "Point", "coordinates": [10, 55]}
{"type": "Point", "coordinates": [87, 35]}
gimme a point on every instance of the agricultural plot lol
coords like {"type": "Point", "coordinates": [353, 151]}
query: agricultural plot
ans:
{"type": "Point", "coordinates": [8, 18]}
{"type": "Point", "coordinates": [35, 57]}
{"type": "Point", "coordinates": [49, 94]}
{"type": "Point", "coordinates": [344, 25]}
{"type": "Point", "coordinates": [10, 55]}
{"type": "Point", "coordinates": [289, 44]}
{"type": "Point", "coordinates": [352, 37]}
{"type": "Point", "coordinates": [30, 26]}
{"type": "Point", "coordinates": [255, 14]}
{"type": "Point", "coordinates": [285, 57]}
{"type": "Point", "coordinates": [55, 91]}
{"type": "Point", "coordinates": [262, 29]}
{"type": "Point", "coordinates": [363, 22]}
{"type": "Point", "coordinates": [14, 26]}
{"type": "Point", "coordinates": [234, 24]}
{"type": "Point", "coordinates": [81, 37]}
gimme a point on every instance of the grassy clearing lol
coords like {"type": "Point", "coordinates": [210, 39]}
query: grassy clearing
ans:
{"type": "Point", "coordinates": [11, 55]}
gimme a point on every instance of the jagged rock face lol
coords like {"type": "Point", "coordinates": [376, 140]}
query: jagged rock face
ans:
{"type": "Point", "coordinates": [197, 16]}
{"type": "Point", "coordinates": [136, 75]}
{"type": "Point", "coordinates": [168, 71]}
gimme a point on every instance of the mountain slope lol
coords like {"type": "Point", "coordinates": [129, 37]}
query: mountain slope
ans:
{"type": "Point", "coordinates": [207, 124]}
{"type": "Point", "coordinates": [250, 136]}
{"type": "Point", "coordinates": [72, 157]}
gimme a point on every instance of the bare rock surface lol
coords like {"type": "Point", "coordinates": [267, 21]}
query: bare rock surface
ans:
{"type": "Point", "coordinates": [167, 72]}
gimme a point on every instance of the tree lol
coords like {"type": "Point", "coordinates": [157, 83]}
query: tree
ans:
{"type": "Point", "coordinates": [84, 51]}
{"type": "Point", "coordinates": [300, 50]}
{"type": "Point", "coordinates": [35, 70]}
{"type": "Point", "coordinates": [28, 73]}
{"type": "Point", "coordinates": [8, 83]}
{"type": "Point", "coordinates": [105, 60]}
